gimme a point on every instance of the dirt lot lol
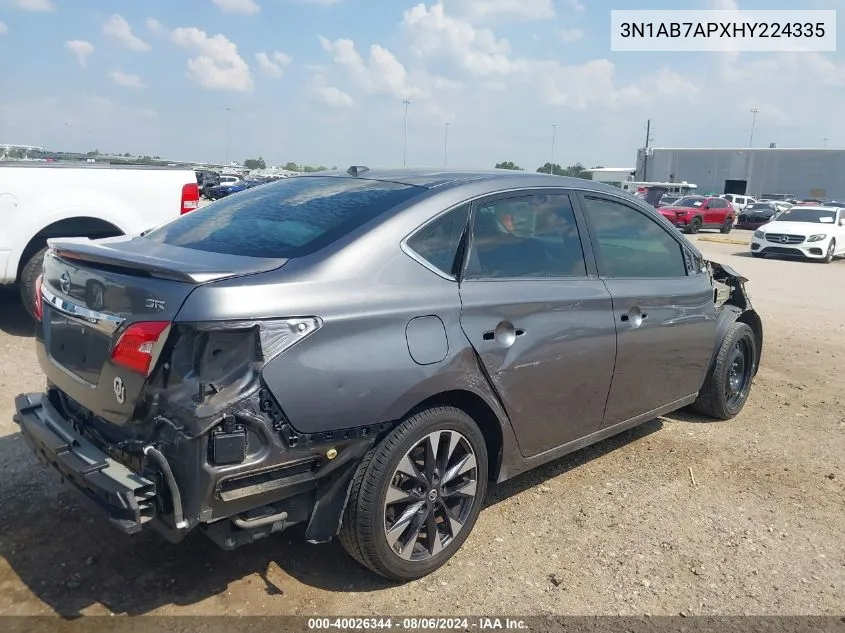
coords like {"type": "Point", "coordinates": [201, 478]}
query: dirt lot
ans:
{"type": "Point", "coordinates": [618, 528]}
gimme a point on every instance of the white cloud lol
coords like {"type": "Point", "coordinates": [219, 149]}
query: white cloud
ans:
{"type": "Point", "coordinates": [155, 26]}
{"type": "Point", "coordinates": [331, 95]}
{"type": "Point", "coordinates": [520, 9]}
{"type": "Point", "coordinates": [217, 65]}
{"type": "Point", "coordinates": [383, 73]}
{"type": "Point", "coordinates": [119, 30]}
{"type": "Point", "coordinates": [571, 35]}
{"type": "Point", "coordinates": [576, 5]}
{"type": "Point", "coordinates": [272, 63]}
{"type": "Point", "coordinates": [35, 5]}
{"type": "Point", "coordinates": [3, 28]}
{"type": "Point", "coordinates": [81, 50]}
{"type": "Point", "coordinates": [322, 2]}
{"type": "Point", "coordinates": [245, 7]}
{"type": "Point", "coordinates": [126, 80]}
{"type": "Point", "coordinates": [477, 51]}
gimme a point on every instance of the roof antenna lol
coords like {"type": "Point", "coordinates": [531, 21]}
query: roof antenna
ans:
{"type": "Point", "coordinates": [357, 169]}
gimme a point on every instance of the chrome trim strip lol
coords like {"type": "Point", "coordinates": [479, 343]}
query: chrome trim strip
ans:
{"type": "Point", "coordinates": [105, 323]}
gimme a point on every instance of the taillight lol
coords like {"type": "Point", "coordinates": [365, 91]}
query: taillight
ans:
{"type": "Point", "coordinates": [39, 301]}
{"type": "Point", "coordinates": [134, 349]}
{"type": "Point", "coordinates": [190, 197]}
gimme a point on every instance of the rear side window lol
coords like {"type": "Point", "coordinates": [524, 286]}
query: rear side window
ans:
{"type": "Point", "coordinates": [293, 217]}
{"type": "Point", "coordinates": [437, 243]}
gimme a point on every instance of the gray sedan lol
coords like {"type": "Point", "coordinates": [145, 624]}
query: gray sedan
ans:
{"type": "Point", "coordinates": [364, 352]}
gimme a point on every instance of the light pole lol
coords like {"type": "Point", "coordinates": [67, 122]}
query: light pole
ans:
{"type": "Point", "coordinates": [445, 144]}
{"type": "Point", "coordinates": [824, 142]}
{"type": "Point", "coordinates": [554, 133]}
{"type": "Point", "coordinates": [228, 111]}
{"type": "Point", "coordinates": [405, 147]}
{"type": "Point", "coordinates": [754, 112]}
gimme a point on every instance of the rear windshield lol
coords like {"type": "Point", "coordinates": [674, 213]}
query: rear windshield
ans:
{"type": "Point", "coordinates": [293, 217]}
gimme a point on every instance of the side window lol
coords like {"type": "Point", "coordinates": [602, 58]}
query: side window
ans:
{"type": "Point", "coordinates": [631, 244]}
{"type": "Point", "coordinates": [526, 237]}
{"type": "Point", "coordinates": [437, 242]}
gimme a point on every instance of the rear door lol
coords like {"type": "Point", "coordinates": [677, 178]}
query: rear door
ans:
{"type": "Point", "coordinates": [717, 212]}
{"type": "Point", "coordinates": [663, 308]}
{"type": "Point", "coordinates": [538, 317]}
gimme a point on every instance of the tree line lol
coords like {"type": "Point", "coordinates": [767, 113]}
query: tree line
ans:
{"type": "Point", "coordinates": [575, 171]}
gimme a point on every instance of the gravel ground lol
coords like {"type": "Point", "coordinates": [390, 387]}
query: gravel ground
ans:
{"type": "Point", "coordinates": [618, 528]}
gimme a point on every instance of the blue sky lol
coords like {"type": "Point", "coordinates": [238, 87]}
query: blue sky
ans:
{"type": "Point", "coordinates": [322, 81]}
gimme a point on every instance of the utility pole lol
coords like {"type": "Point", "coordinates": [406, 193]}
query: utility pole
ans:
{"type": "Point", "coordinates": [446, 144]}
{"type": "Point", "coordinates": [754, 112]}
{"type": "Point", "coordinates": [405, 147]}
{"type": "Point", "coordinates": [645, 153]}
{"type": "Point", "coordinates": [824, 142]}
{"type": "Point", "coordinates": [228, 158]}
{"type": "Point", "coordinates": [554, 133]}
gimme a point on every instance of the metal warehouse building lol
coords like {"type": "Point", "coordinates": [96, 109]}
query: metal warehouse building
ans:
{"type": "Point", "coordinates": [803, 173]}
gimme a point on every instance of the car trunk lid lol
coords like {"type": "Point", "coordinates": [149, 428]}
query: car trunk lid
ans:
{"type": "Point", "coordinates": [107, 309]}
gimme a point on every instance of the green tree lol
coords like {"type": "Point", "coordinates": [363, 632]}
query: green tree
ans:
{"type": "Point", "coordinates": [575, 171]}
{"type": "Point", "coordinates": [291, 166]}
{"type": "Point", "coordinates": [508, 165]}
{"type": "Point", "coordinates": [94, 152]}
{"type": "Point", "coordinates": [255, 163]}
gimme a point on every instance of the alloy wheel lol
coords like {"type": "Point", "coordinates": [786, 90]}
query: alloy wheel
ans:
{"type": "Point", "coordinates": [430, 495]}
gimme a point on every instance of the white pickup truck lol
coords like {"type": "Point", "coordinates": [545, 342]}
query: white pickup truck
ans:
{"type": "Point", "coordinates": [43, 200]}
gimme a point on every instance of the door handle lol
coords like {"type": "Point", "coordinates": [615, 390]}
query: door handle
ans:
{"type": "Point", "coordinates": [490, 335]}
{"type": "Point", "coordinates": [634, 317]}
{"type": "Point", "coordinates": [505, 334]}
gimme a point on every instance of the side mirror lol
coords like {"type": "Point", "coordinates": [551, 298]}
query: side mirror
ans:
{"type": "Point", "coordinates": [842, 222]}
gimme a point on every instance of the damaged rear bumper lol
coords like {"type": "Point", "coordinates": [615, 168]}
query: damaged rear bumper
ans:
{"type": "Point", "coordinates": [127, 497]}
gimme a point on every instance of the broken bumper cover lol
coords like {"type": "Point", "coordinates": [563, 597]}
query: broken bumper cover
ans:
{"type": "Point", "coordinates": [127, 497]}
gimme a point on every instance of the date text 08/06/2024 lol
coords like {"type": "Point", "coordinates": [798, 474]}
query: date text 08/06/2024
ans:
{"type": "Point", "coordinates": [413, 624]}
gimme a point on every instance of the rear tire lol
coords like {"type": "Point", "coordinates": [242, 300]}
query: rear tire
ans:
{"type": "Point", "coordinates": [694, 226]}
{"type": "Point", "coordinates": [729, 382]}
{"type": "Point", "coordinates": [29, 274]}
{"type": "Point", "coordinates": [728, 225]}
{"type": "Point", "coordinates": [407, 553]}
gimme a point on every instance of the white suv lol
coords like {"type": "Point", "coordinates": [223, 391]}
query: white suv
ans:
{"type": "Point", "coordinates": [739, 202]}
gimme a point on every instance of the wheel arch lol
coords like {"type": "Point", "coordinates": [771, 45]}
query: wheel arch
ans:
{"type": "Point", "coordinates": [76, 226]}
{"type": "Point", "coordinates": [753, 320]}
{"type": "Point", "coordinates": [482, 414]}
{"type": "Point", "coordinates": [727, 317]}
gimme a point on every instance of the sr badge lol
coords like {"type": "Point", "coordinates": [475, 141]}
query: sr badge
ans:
{"type": "Point", "coordinates": [119, 389]}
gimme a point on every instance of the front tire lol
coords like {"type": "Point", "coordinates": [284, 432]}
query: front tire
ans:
{"type": "Point", "coordinates": [831, 249]}
{"type": "Point", "coordinates": [729, 382]}
{"type": "Point", "coordinates": [694, 226]}
{"type": "Point", "coordinates": [29, 274]}
{"type": "Point", "coordinates": [416, 495]}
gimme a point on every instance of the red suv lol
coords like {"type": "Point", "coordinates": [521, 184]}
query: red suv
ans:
{"type": "Point", "coordinates": [693, 213]}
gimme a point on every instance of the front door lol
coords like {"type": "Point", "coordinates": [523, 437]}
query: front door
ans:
{"type": "Point", "coordinates": [663, 308]}
{"type": "Point", "coordinates": [542, 327]}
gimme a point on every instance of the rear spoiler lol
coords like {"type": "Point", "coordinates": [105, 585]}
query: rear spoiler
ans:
{"type": "Point", "coordinates": [164, 261]}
